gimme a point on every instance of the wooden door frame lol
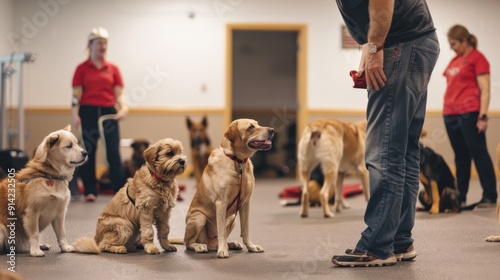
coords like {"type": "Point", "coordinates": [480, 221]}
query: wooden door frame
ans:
{"type": "Point", "coordinates": [301, 29]}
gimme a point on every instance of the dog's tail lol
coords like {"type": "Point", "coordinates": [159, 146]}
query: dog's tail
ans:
{"type": "Point", "coordinates": [86, 245]}
{"type": "Point", "coordinates": [176, 240]}
{"type": "Point", "coordinates": [469, 207]}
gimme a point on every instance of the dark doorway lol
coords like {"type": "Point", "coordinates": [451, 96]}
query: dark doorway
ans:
{"type": "Point", "coordinates": [264, 88]}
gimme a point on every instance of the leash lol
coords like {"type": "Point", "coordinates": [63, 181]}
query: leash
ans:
{"type": "Point", "coordinates": [128, 195]}
{"type": "Point", "coordinates": [237, 199]}
{"type": "Point", "coordinates": [100, 125]}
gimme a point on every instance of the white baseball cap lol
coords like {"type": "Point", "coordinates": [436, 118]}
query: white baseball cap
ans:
{"type": "Point", "coordinates": [98, 33]}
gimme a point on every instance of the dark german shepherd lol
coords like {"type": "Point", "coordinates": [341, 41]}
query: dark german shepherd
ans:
{"type": "Point", "coordinates": [200, 145]}
{"type": "Point", "coordinates": [440, 193]}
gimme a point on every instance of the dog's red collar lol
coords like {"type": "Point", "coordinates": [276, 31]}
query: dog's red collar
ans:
{"type": "Point", "coordinates": [49, 178]}
{"type": "Point", "coordinates": [157, 177]}
{"type": "Point", "coordinates": [233, 157]}
{"type": "Point", "coordinates": [240, 161]}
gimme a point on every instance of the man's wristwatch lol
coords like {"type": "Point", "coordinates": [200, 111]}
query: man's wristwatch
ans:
{"type": "Point", "coordinates": [372, 48]}
{"type": "Point", "coordinates": [483, 117]}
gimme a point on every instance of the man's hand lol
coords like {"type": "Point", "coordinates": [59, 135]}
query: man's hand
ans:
{"type": "Point", "coordinates": [372, 65]}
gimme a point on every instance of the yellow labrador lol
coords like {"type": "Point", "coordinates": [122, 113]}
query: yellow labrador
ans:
{"type": "Point", "coordinates": [497, 237]}
{"type": "Point", "coordinates": [38, 195]}
{"type": "Point", "coordinates": [146, 199]}
{"type": "Point", "coordinates": [226, 189]}
{"type": "Point", "coordinates": [339, 147]}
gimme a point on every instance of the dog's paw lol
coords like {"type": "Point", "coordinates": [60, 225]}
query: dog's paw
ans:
{"type": "Point", "coordinates": [329, 214]}
{"type": "Point", "coordinates": [223, 254]}
{"type": "Point", "coordinates": [493, 238]}
{"type": "Point", "coordinates": [45, 247]}
{"type": "Point", "coordinates": [235, 245]}
{"type": "Point", "coordinates": [151, 249]}
{"type": "Point", "coordinates": [37, 253]}
{"type": "Point", "coordinates": [199, 248]}
{"type": "Point", "coordinates": [118, 250]}
{"type": "Point", "coordinates": [67, 248]}
{"type": "Point", "coordinates": [304, 214]}
{"type": "Point", "coordinates": [434, 211]}
{"type": "Point", "coordinates": [255, 249]}
{"type": "Point", "coordinates": [346, 205]}
{"type": "Point", "coordinates": [112, 249]}
{"type": "Point", "coordinates": [169, 248]}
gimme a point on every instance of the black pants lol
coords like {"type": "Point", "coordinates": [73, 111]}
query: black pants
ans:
{"type": "Point", "coordinates": [469, 145]}
{"type": "Point", "coordinates": [89, 116]}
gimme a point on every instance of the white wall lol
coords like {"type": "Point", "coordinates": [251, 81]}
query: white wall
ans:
{"type": "Point", "coordinates": [6, 23]}
{"type": "Point", "coordinates": [185, 53]}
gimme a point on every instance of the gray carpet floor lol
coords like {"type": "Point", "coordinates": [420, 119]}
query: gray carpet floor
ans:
{"type": "Point", "coordinates": [449, 246]}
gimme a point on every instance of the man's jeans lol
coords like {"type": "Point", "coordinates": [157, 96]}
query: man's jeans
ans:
{"type": "Point", "coordinates": [395, 119]}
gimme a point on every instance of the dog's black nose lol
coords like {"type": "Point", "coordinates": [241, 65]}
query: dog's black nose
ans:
{"type": "Point", "coordinates": [270, 131]}
{"type": "Point", "coordinates": [181, 161]}
{"type": "Point", "coordinates": [84, 153]}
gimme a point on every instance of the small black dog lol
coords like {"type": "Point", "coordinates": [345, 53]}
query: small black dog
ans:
{"type": "Point", "coordinates": [440, 192]}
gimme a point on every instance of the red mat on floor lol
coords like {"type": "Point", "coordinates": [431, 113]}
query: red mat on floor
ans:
{"type": "Point", "coordinates": [347, 191]}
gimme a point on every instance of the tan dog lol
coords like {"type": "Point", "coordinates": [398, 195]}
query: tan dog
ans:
{"type": "Point", "coordinates": [340, 149]}
{"type": "Point", "coordinates": [496, 238]}
{"type": "Point", "coordinates": [225, 190]}
{"type": "Point", "coordinates": [200, 145]}
{"type": "Point", "coordinates": [38, 195]}
{"type": "Point", "coordinates": [146, 199]}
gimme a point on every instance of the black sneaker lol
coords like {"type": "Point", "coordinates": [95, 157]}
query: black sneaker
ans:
{"type": "Point", "coordinates": [354, 258]}
{"type": "Point", "coordinates": [406, 255]}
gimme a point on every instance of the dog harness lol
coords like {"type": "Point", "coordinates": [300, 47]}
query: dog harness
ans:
{"type": "Point", "coordinates": [156, 176]}
{"type": "Point", "coordinates": [128, 195]}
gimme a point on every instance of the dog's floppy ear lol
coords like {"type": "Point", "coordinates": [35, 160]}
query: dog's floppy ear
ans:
{"type": "Point", "coordinates": [42, 149]}
{"type": "Point", "coordinates": [150, 154]}
{"type": "Point", "coordinates": [232, 133]}
{"type": "Point", "coordinates": [189, 123]}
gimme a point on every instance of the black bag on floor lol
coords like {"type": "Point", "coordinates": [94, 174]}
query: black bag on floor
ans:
{"type": "Point", "coordinates": [13, 158]}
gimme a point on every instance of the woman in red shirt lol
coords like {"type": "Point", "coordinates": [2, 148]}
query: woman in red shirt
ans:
{"type": "Point", "coordinates": [98, 91]}
{"type": "Point", "coordinates": [465, 112]}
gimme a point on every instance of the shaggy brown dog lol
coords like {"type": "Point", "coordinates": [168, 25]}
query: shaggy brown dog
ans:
{"type": "Point", "coordinates": [200, 145]}
{"type": "Point", "coordinates": [38, 195]}
{"type": "Point", "coordinates": [146, 199]}
{"type": "Point", "coordinates": [225, 190]}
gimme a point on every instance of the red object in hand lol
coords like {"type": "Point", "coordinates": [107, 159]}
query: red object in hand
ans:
{"type": "Point", "coordinates": [359, 82]}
